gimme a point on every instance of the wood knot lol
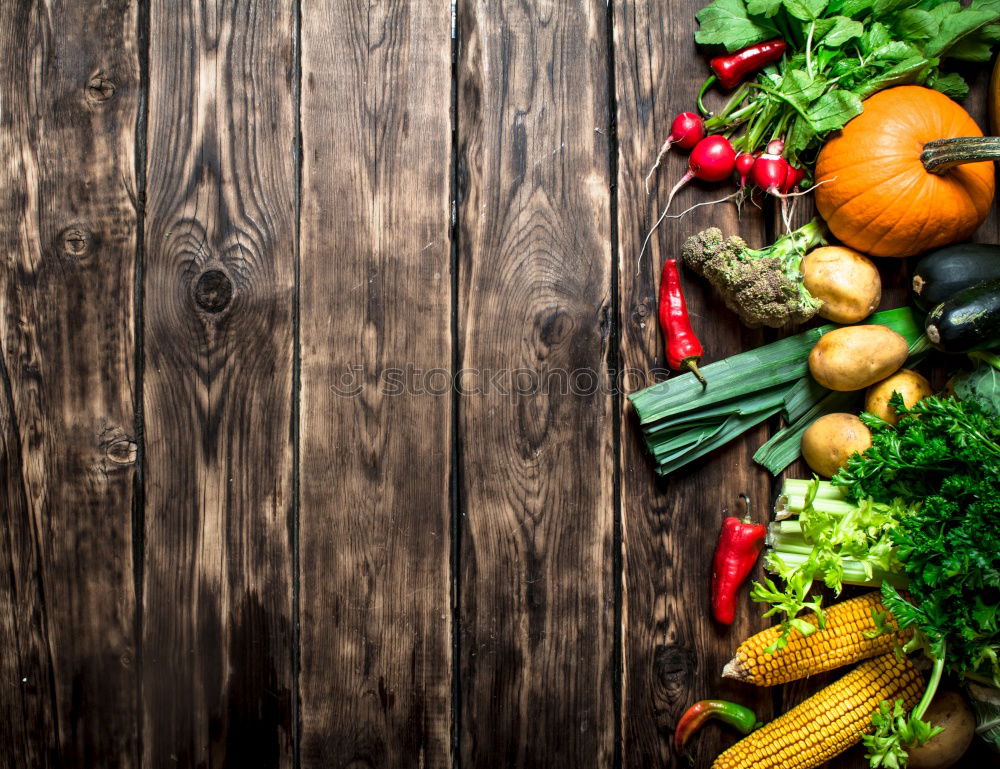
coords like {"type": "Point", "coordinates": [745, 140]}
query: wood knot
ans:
{"type": "Point", "coordinates": [75, 242]}
{"type": "Point", "coordinates": [673, 666]}
{"type": "Point", "coordinates": [100, 88]}
{"type": "Point", "coordinates": [122, 452]}
{"type": "Point", "coordinates": [213, 291]}
{"type": "Point", "coordinates": [554, 327]}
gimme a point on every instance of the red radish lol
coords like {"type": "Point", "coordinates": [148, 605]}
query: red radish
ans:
{"type": "Point", "coordinates": [792, 179]}
{"type": "Point", "coordinates": [744, 165]}
{"type": "Point", "coordinates": [686, 131]}
{"type": "Point", "coordinates": [712, 160]}
{"type": "Point", "coordinates": [769, 172]}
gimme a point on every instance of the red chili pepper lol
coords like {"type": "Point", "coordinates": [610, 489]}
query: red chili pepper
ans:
{"type": "Point", "coordinates": [683, 348]}
{"type": "Point", "coordinates": [740, 542]}
{"type": "Point", "coordinates": [744, 719]}
{"type": "Point", "coordinates": [733, 69]}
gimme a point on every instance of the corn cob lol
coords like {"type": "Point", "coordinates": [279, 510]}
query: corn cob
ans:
{"type": "Point", "coordinates": [830, 721]}
{"type": "Point", "coordinates": [841, 642]}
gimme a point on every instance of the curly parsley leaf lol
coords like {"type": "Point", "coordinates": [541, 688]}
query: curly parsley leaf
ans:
{"type": "Point", "coordinates": [943, 458]}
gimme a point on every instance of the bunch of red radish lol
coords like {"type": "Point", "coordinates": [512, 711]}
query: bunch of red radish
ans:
{"type": "Point", "coordinates": [713, 159]}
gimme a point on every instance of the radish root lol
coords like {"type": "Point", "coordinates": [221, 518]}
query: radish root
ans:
{"type": "Point", "coordinates": [659, 159]}
{"type": "Point", "coordinates": [707, 203]}
{"type": "Point", "coordinates": [788, 211]}
{"type": "Point", "coordinates": [670, 199]}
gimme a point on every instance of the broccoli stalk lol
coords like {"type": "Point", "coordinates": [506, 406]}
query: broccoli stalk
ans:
{"type": "Point", "coordinates": [764, 287]}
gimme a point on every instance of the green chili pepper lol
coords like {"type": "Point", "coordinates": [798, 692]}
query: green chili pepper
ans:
{"type": "Point", "coordinates": [744, 719]}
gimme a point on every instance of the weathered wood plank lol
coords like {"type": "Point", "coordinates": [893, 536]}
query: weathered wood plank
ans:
{"type": "Point", "coordinates": [218, 313]}
{"type": "Point", "coordinates": [673, 652]}
{"type": "Point", "coordinates": [536, 427]}
{"type": "Point", "coordinates": [69, 76]}
{"type": "Point", "coordinates": [376, 305]}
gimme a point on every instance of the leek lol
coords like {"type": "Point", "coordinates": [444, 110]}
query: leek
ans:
{"type": "Point", "coordinates": [682, 421]}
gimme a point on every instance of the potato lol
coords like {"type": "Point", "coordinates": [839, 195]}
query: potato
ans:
{"type": "Point", "coordinates": [845, 280]}
{"type": "Point", "coordinates": [829, 441]}
{"type": "Point", "coordinates": [911, 385]}
{"type": "Point", "coordinates": [950, 711]}
{"type": "Point", "coordinates": [854, 357]}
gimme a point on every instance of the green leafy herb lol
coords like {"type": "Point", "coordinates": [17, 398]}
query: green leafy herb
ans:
{"type": "Point", "coordinates": [896, 730]}
{"type": "Point", "coordinates": [981, 385]}
{"type": "Point", "coordinates": [839, 53]}
{"type": "Point", "coordinates": [729, 23]}
{"type": "Point", "coordinates": [919, 509]}
{"type": "Point", "coordinates": [942, 459]}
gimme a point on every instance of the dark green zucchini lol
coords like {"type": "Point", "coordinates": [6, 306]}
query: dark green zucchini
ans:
{"type": "Point", "coordinates": [968, 321]}
{"type": "Point", "coordinates": [944, 272]}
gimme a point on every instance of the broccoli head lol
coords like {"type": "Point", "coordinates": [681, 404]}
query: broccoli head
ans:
{"type": "Point", "coordinates": [764, 287]}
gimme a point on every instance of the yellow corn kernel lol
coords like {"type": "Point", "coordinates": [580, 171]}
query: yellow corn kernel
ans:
{"type": "Point", "coordinates": [841, 642]}
{"type": "Point", "coordinates": [829, 722]}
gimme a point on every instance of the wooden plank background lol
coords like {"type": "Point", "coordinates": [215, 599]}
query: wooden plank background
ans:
{"type": "Point", "coordinates": [218, 292]}
{"type": "Point", "coordinates": [316, 321]}
{"type": "Point", "coordinates": [376, 302]}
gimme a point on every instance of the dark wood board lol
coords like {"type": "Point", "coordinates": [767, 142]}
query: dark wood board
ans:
{"type": "Point", "coordinates": [376, 439]}
{"type": "Point", "coordinates": [218, 292]}
{"type": "Point", "coordinates": [69, 78]}
{"type": "Point", "coordinates": [536, 580]}
{"type": "Point", "coordinates": [673, 652]}
{"type": "Point", "coordinates": [246, 516]}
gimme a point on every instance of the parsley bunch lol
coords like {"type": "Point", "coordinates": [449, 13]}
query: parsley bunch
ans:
{"type": "Point", "coordinates": [943, 460]}
{"type": "Point", "coordinates": [944, 455]}
{"type": "Point", "coordinates": [839, 53]}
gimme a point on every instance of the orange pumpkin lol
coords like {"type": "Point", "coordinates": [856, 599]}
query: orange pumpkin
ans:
{"type": "Point", "coordinates": [874, 187]}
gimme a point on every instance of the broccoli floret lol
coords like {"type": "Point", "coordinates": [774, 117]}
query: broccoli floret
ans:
{"type": "Point", "coordinates": [764, 287]}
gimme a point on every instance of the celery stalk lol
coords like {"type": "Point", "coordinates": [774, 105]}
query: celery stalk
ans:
{"type": "Point", "coordinates": [833, 506]}
{"type": "Point", "coordinates": [799, 487]}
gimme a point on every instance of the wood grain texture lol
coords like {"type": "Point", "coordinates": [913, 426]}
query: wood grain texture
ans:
{"type": "Point", "coordinates": [673, 653]}
{"type": "Point", "coordinates": [376, 315]}
{"type": "Point", "coordinates": [536, 578]}
{"type": "Point", "coordinates": [149, 616]}
{"type": "Point", "coordinates": [219, 283]}
{"type": "Point", "coordinates": [69, 76]}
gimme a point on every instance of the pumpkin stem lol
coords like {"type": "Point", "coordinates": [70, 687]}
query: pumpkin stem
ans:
{"type": "Point", "coordinates": [942, 155]}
